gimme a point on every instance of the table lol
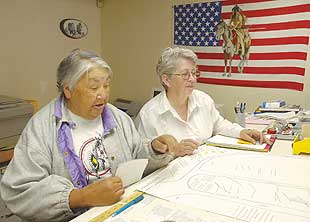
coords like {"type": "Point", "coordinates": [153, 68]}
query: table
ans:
{"type": "Point", "coordinates": [281, 147]}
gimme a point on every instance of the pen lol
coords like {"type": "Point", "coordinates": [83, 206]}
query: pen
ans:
{"type": "Point", "coordinates": [139, 198]}
{"type": "Point", "coordinates": [243, 107]}
{"type": "Point", "coordinates": [237, 108]}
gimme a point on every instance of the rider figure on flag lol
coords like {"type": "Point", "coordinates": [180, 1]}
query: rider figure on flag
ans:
{"type": "Point", "coordinates": [239, 30]}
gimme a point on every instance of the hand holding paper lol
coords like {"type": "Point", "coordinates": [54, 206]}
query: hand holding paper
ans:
{"type": "Point", "coordinates": [253, 135]}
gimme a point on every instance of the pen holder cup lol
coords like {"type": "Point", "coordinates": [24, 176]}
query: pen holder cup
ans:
{"type": "Point", "coordinates": [240, 119]}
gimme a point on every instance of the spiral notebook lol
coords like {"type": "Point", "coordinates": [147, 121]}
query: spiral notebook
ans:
{"type": "Point", "coordinates": [235, 143]}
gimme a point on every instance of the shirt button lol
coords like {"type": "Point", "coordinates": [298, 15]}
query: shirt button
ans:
{"type": "Point", "coordinates": [112, 158]}
{"type": "Point", "coordinates": [78, 183]}
{"type": "Point", "coordinates": [66, 153]}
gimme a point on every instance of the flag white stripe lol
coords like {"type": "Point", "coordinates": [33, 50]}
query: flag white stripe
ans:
{"type": "Point", "coordinates": [278, 34]}
{"type": "Point", "coordinates": [261, 77]}
{"type": "Point", "coordinates": [265, 5]}
{"type": "Point", "coordinates": [253, 49]}
{"type": "Point", "coordinates": [256, 63]}
{"type": "Point", "coordinates": [276, 19]}
{"type": "Point", "coordinates": [279, 48]}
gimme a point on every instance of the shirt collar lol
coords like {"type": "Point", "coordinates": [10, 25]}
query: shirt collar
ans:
{"type": "Point", "coordinates": [108, 120]}
{"type": "Point", "coordinates": [63, 116]}
{"type": "Point", "coordinates": [193, 103]}
{"type": "Point", "coordinates": [58, 111]}
{"type": "Point", "coordinates": [61, 112]}
{"type": "Point", "coordinates": [164, 103]}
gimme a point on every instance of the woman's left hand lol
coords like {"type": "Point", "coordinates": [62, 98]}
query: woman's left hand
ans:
{"type": "Point", "coordinates": [253, 135]}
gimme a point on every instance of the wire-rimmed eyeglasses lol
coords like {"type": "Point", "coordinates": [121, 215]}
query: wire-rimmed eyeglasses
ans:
{"type": "Point", "coordinates": [195, 73]}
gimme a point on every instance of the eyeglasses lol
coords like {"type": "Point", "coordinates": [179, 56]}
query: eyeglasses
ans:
{"type": "Point", "coordinates": [195, 73]}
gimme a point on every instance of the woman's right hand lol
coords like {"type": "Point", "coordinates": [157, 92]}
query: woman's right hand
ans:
{"type": "Point", "coordinates": [100, 193]}
{"type": "Point", "coordinates": [185, 147]}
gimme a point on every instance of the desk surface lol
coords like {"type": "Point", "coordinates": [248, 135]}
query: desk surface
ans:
{"type": "Point", "coordinates": [281, 147]}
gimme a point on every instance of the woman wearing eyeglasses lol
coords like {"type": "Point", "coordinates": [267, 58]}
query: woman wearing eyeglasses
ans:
{"type": "Point", "coordinates": [182, 111]}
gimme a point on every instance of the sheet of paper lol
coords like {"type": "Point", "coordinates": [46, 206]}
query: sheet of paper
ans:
{"type": "Point", "coordinates": [131, 171]}
{"type": "Point", "coordinates": [153, 209]}
{"type": "Point", "coordinates": [257, 120]}
{"type": "Point", "coordinates": [251, 186]}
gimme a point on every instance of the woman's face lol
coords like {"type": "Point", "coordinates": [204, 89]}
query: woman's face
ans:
{"type": "Point", "coordinates": [183, 80]}
{"type": "Point", "coordinates": [90, 94]}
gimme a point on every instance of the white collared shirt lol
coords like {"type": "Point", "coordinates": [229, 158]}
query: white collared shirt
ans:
{"type": "Point", "coordinates": [158, 117]}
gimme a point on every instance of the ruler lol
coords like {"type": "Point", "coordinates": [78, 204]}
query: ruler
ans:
{"type": "Point", "coordinates": [108, 213]}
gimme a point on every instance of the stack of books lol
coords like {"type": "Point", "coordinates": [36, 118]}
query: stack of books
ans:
{"type": "Point", "coordinates": [282, 109]}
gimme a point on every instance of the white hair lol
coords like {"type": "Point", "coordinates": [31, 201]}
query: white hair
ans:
{"type": "Point", "coordinates": [75, 65]}
{"type": "Point", "coordinates": [168, 61]}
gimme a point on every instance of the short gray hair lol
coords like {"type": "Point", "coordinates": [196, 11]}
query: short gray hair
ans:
{"type": "Point", "coordinates": [75, 65]}
{"type": "Point", "coordinates": [168, 61]}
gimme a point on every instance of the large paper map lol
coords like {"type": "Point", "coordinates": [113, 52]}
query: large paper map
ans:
{"type": "Point", "coordinates": [244, 185]}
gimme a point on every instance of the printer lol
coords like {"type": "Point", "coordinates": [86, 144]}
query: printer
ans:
{"type": "Point", "coordinates": [14, 115]}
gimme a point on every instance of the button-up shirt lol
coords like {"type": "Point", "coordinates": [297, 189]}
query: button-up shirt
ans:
{"type": "Point", "coordinates": [158, 117]}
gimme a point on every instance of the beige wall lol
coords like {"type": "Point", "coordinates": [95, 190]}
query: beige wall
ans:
{"type": "Point", "coordinates": [32, 44]}
{"type": "Point", "coordinates": [135, 32]}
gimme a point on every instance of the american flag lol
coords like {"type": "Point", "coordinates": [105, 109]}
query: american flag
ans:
{"type": "Point", "coordinates": [280, 36]}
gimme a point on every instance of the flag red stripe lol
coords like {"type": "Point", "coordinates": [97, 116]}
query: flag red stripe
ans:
{"type": "Point", "coordinates": [279, 26]}
{"type": "Point", "coordinates": [233, 2]}
{"type": "Point", "coordinates": [247, 83]}
{"type": "Point", "coordinates": [278, 41]}
{"type": "Point", "coordinates": [281, 41]}
{"type": "Point", "coordinates": [272, 11]}
{"type": "Point", "coordinates": [256, 70]}
{"type": "Point", "coordinates": [258, 56]}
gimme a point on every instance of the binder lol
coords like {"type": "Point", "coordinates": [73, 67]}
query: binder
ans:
{"type": "Point", "coordinates": [232, 143]}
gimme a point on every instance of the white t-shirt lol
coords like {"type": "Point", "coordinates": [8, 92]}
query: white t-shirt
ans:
{"type": "Point", "coordinates": [158, 117]}
{"type": "Point", "coordinates": [87, 140]}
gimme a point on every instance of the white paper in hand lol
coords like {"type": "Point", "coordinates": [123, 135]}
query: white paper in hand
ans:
{"type": "Point", "coordinates": [131, 171]}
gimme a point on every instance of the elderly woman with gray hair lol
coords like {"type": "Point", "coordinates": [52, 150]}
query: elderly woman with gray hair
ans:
{"type": "Point", "coordinates": [182, 111]}
{"type": "Point", "coordinates": [67, 155]}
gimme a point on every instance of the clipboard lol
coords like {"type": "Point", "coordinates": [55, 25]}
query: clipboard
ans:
{"type": "Point", "coordinates": [232, 143]}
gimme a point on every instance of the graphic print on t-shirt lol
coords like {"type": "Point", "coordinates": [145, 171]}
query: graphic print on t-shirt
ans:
{"type": "Point", "coordinates": [95, 159]}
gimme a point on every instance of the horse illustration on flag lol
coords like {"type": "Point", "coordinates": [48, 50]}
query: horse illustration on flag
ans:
{"type": "Point", "coordinates": [237, 40]}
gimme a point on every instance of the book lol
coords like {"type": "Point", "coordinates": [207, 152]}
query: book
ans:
{"type": "Point", "coordinates": [235, 143]}
{"type": "Point", "coordinates": [273, 104]}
